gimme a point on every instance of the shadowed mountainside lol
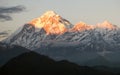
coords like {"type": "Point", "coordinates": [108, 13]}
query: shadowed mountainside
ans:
{"type": "Point", "coordinates": [9, 52]}
{"type": "Point", "coordinates": [31, 63]}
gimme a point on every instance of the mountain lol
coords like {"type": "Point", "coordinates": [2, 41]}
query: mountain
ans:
{"type": "Point", "coordinates": [106, 25]}
{"type": "Point", "coordinates": [56, 37]}
{"type": "Point", "coordinates": [32, 63]}
{"type": "Point", "coordinates": [9, 52]}
{"type": "Point", "coordinates": [48, 26]}
{"type": "Point", "coordinates": [81, 26]}
{"type": "Point", "coordinates": [52, 23]}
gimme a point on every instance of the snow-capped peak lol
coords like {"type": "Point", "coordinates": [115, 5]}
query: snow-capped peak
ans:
{"type": "Point", "coordinates": [106, 22]}
{"type": "Point", "coordinates": [51, 22]}
{"type": "Point", "coordinates": [81, 26]}
{"type": "Point", "coordinates": [106, 25]}
{"type": "Point", "coordinates": [38, 22]}
{"type": "Point", "coordinates": [50, 13]}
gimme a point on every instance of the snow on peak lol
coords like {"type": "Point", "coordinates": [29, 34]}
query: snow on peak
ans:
{"type": "Point", "coordinates": [50, 13]}
{"type": "Point", "coordinates": [40, 21]}
{"type": "Point", "coordinates": [51, 22]}
{"type": "Point", "coordinates": [81, 26]}
{"type": "Point", "coordinates": [106, 25]}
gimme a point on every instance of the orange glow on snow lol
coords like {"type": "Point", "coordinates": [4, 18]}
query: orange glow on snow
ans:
{"type": "Point", "coordinates": [82, 26]}
{"type": "Point", "coordinates": [52, 23]}
{"type": "Point", "coordinates": [107, 25]}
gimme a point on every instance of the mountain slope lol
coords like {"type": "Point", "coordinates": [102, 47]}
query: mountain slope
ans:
{"type": "Point", "coordinates": [52, 23]}
{"type": "Point", "coordinates": [32, 63]}
{"type": "Point", "coordinates": [82, 27]}
{"type": "Point", "coordinates": [7, 53]}
{"type": "Point", "coordinates": [54, 36]}
{"type": "Point", "coordinates": [52, 29]}
{"type": "Point", "coordinates": [48, 26]}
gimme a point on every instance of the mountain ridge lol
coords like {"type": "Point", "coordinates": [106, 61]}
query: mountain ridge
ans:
{"type": "Point", "coordinates": [53, 23]}
{"type": "Point", "coordinates": [56, 37]}
{"type": "Point", "coordinates": [52, 27]}
{"type": "Point", "coordinates": [33, 63]}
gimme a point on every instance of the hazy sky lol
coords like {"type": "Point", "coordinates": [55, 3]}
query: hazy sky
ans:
{"type": "Point", "coordinates": [15, 13]}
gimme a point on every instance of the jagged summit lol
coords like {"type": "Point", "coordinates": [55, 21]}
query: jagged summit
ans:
{"type": "Point", "coordinates": [106, 22]}
{"type": "Point", "coordinates": [81, 26]}
{"type": "Point", "coordinates": [40, 21]}
{"type": "Point", "coordinates": [53, 36]}
{"type": "Point", "coordinates": [50, 13]}
{"type": "Point", "coordinates": [52, 23]}
{"type": "Point", "coordinates": [106, 25]}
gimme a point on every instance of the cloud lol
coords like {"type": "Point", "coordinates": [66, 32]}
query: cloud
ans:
{"type": "Point", "coordinates": [4, 33]}
{"type": "Point", "coordinates": [5, 17]}
{"type": "Point", "coordinates": [5, 12]}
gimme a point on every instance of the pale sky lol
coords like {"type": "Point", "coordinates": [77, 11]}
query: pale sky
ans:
{"type": "Point", "coordinates": [88, 11]}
